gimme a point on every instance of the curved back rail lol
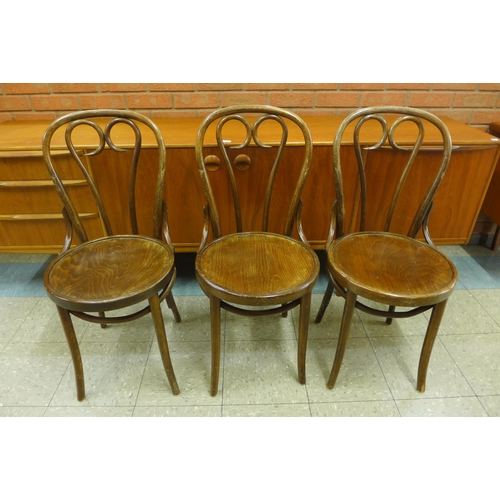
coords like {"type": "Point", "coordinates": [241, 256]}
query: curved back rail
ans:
{"type": "Point", "coordinates": [93, 119]}
{"type": "Point", "coordinates": [221, 118]}
{"type": "Point", "coordinates": [387, 140]}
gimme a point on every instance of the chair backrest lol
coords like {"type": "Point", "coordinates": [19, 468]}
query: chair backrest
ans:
{"type": "Point", "coordinates": [250, 142]}
{"type": "Point", "coordinates": [391, 158]}
{"type": "Point", "coordinates": [109, 126]}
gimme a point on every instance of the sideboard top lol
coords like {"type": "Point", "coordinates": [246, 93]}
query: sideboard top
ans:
{"type": "Point", "coordinates": [24, 137]}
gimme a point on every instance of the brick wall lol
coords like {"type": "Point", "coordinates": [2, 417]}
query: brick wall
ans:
{"type": "Point", "coordinates": [476, 104]}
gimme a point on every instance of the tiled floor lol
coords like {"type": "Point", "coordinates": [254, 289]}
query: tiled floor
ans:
{"type": "Point", "coordinates": [124, 375]}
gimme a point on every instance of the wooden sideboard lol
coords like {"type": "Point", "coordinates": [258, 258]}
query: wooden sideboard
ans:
{"type": "Point", "coordinates": [30, 210]}
{"type": "Point", "coordinates": [491, 204]}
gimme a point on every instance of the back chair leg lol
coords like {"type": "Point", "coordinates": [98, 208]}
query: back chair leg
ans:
{"type": "Point", "coordinates": [304, 312]}
{"type": "Point", "coordinates": [430, 337]}
{"type": "Point", "coordinates": [344, 335]}
{"type": "Point", "coordinates": [391, 310]}
{"type": "Point", "coordinates": [215, 332]}
{"type": "Point", "coordinates": [324, 303]}
{"type": "Point", "coordinates": [69, 331]}
{"type": "Point", "coordinates": [103, 315]}
{"type": "Point", "coordinates": [173, 307]}
{"type": "Point", "coordinates": [154, 304]}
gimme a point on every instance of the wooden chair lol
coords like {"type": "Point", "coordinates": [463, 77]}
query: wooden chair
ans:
{"type": "Point", "coordinates": [364, 259]}
{"type": "Point", "coordinates": [111, 272]}
{"type": "Point", "coordinates": [257, 263]}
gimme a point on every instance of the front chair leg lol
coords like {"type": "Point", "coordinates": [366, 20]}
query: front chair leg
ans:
{"type": "Point", "coordinates": [215, 333]}
{"type": "Point", "coordinates": [69, 331]}
{"type": "Point", "coordinates": [391, 310]}
{"type": "Point", "coordinates": [304, 311]}
{"type": "Point", "coordinates": [326, 300]}
{"type": "Point", "coordinates": [345, 327]}
{"type": "Point", "coordinates": [430, 337]}
{"type": "Point", "coordinates": [154, 304]}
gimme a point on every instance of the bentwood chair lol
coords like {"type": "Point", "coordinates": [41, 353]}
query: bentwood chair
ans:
{"type": "Point", "coordinates": [364, 259]}
{"type": "Point", "coordinates": [115, 271]}
{"type": "Point", "coordinates": [257, 265]}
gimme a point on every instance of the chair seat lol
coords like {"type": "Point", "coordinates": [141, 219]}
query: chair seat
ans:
{"type": "Point", "coordinates": [109, 273]}
{"type": "Point", "coordinates": [250, 268]}
{"type": "Point", "coordinates": [392, 269]}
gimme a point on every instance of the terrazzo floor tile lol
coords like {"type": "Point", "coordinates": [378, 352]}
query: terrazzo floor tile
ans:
{"type": "Point", "coordinates": [178, 411]}
{"type": "Point", "coordinates": [263, 372]}
{"type": "Point", "coordinates": [476, 272]}
{"type": "Point", "coordinates": [399, 358]}
{"type": "Point", "coordinates": [490, 301]}
{"type": "Point", "coordinates": [453, 250]}
{"type": "Point", "coordinates": [22, 411]}
{"type": "Point", "coordinates": [31, 372]}
{"type": "Point", "coordinates": [42, 324]}
{"type": "Point", "coordinates": [478, 357]}
{"type": "Point", "coordinates": [192, 364]}
{"type": "Point", "coordinates": [355, 409]}
{"type": "Point", "coordinates": [272, 327]}
{"type": "Point", "coordinates": [464, 314]}
{"type": "Point", "coordinates": [442, 407]}
{"type": "Point", "coordinates": [113, 374]}
{"type": "Point", "coordinates": [13, 312]}
{"type": "Point", "coordinates": [329, 326]}
{"type": "Point", "coordinates": [360, 377]}
{"type": "Point", "coordinates": [89, 411]}
{"type": "Point", "coordinates": [279, 410]}
{"type": "Point", "coordinates": [491, 404]}
{"type": "Point", "coordinates": [23, 280]}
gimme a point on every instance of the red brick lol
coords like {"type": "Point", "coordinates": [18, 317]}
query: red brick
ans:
{"type": "Point", "coordinates": [123, 87]}
{"type": "Point", "coordinates": [4, 117]}
{"type": "Point", "coordinates": [362, 86]}
{"type": "Point", "coordinates": [68, 88]}
{"type": "Point", "coordinates": [26, 88]}
{"type": "Point", "coordinates": [173, 113]}
{"type": "Point", "coordinates": [24, 117]}
{"type": "Point", "coordinates": [475, 99]}
{"type": "Point", "coordinates": [338, 99]}
{"type": "Point", "coordinates": [99, 101]}
{"type": "Point", "coordinates": [267, 86]}
{"type": "Point", "coordinates": [409, 86]}
{"type": "Point", "coordinates": [233, 98]}
{"type": "Point", "coordinates": [489, 86]}
{"type": "Point", "coordinates": [315, 86]}
{"type": "Point", "coordinates": [203, 100]}
{"type": "Point", "coordinates": [461, 115]}
{"type": "Point", "coordinates": [171, 87]}
{"type": "Point", "coordinates": [219, 86]}
{"type": "Point", "coordinates": [317, 112]}
{"type": "Point", "coordinates": [431, 99]}
{"type": "Point", "coordinates": [11, 103]}
{"type": "Point", "coordinates": [384, 98]}
{"type": "Point", "coordinates": [455, 86]}
{"type": "Point", "coordinates": [149, 101]}
{"type": "Point", "coordinates": [492, 115]}
{"type": "Point", "coordinates": [292, 99]}
{"type": "Point", "coordinates": [54, 102]}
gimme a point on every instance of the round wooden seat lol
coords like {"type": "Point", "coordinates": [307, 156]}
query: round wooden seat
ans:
{"type": "Point", "coordinates": [254, 268]}
{"type": "Point", "coordinates": [392, 269]}
{"type": "Point", "coordinates": [109, 273]}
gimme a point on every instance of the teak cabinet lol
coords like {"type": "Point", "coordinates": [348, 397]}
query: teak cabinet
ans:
{"type": "Point", "coordinates": [30, 210]}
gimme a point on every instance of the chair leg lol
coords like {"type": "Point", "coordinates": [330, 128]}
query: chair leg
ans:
{"type": "Point", "coordinates": [304, 312]}
{"type": "Point", "coordinates": [173, 307]}
{"type": "Point", "coordinates": [324, 303]}
{"type": "Point", "coordinates": [215, 333]}
{"type": "Point", "coordinates": [389, 320]}
{"type": "Point", "coordinates": [430, 337]}
{"type": "Point", "coordinates": [103, 315]}
{"type": "Point", "coordinates": [345, 326]}
{"type": "Point", "coordinates": [154, 304]}
{"type": "Point", "coordinates": [69, 331]}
